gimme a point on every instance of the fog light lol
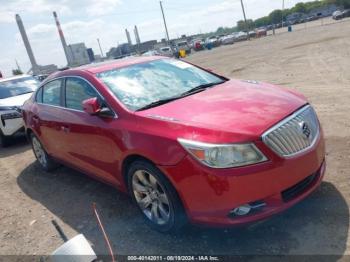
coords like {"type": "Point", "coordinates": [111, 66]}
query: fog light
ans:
{"type": "Point", "coordinates": [248, 208]}
{"type": "Point", "coordinates": [241, 210]}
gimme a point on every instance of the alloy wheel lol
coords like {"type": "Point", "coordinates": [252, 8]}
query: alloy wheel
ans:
{"type": "Point", "coordinates": [151, 197]}
{"type": "Point", "coordinates": [39, 152]}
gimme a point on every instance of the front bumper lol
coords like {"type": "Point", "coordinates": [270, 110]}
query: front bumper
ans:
{"type": "Point", "coordinates": [210, 194]}
{"type": "Point", "coordinates": [11, 126]}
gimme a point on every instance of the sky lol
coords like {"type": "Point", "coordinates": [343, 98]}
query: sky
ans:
{"type": "Point", "coordinates": [87, 20]}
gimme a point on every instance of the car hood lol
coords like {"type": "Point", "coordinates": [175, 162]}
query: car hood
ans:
{"type": "Point", "coordinates": [240, 107]}
{"type": "Point", "coordinates": [15, 100]}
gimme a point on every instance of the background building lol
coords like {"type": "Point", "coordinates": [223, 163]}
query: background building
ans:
{"type": "Point", "coordinates": [77, 54]}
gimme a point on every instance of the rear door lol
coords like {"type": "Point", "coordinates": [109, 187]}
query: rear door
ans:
{"type": "Point", "coordinates": [91, 143]}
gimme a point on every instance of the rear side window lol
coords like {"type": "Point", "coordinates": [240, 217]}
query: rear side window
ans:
{"type": "Point", "coordinates": [52, 93]}
{"type": "Point", "coordinates": [78, 90]}
{"type": "Point", "coordinates": [39, 96]}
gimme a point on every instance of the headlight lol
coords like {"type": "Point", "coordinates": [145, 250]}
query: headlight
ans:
{"type": "Point", "coordinates": [11, 115]}
{"type": "Point", "coordinates": [225, 155]}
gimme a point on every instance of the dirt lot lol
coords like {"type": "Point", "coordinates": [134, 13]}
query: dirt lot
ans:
{"type": "Point", "coordinates": [315, 61]}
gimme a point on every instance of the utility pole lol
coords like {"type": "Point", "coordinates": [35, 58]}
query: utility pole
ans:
{"type": "Point", "coordinates": [282, 12]}
{"type": "Point", "coordinates": [245, 20]}
{"type": "Point", "coordinates": [166, 28]}
{"type": "Point", "coordinates": [98, 41]}
{"type": "Point", "coordinates": [18, 67]}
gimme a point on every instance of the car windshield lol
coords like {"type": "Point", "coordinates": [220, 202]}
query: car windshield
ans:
{"type": "Point", "coordinates": [16, 87]}
{"type": "Point", "coordinates": [139, 85]}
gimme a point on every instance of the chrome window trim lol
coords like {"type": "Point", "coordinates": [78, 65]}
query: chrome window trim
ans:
{"type": "Point", "coordinates": [284, 121]}
{"type": "Point", "coordinates": [71, 109]}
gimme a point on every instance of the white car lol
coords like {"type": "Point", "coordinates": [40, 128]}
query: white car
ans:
{"type": "Point", "coordinates": [151, 53]}
{"type": "Point", "coordinates": [166, 51]}
{"type": "Point", "coordinates": [14, 92]}
{"type": "Point", "coordinates": [227, 40]}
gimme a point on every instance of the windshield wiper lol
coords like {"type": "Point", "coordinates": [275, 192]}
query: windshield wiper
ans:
{"type": "Point", "coordinates": [199, 89]}
{"type": "Point", "coordinates": [192, 91]}
{"type": "Point", "coordinates": [157, 103]}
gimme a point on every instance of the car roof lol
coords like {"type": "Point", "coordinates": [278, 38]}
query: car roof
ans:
{"type": "Point", "coordinates": [14, 78]}
{"type": "Point", "coordinates": [118, 63]}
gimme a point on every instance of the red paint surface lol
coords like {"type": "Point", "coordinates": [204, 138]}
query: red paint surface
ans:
{"type": "Point", "coordinates": [235, 111]}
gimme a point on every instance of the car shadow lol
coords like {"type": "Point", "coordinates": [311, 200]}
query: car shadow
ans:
{"type": "Point", "coordinates": [317, 225]}
{"type": "Point", "coordinates": [16, 145]}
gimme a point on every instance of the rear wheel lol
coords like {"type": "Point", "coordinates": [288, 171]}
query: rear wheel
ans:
{"type": "Point", "coordinates": [155, 197]}
{"type": "Point", "coordinates": [46, 162]}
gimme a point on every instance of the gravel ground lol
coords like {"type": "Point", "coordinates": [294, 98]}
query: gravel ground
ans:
{"type": "Point", "coordinates": [313, 59]}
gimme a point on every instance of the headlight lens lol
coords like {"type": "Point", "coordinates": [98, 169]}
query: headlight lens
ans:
{"type": "Point", "coordinates": [11, 115]}
{"type": "Point", "coordinates": [223, 156]}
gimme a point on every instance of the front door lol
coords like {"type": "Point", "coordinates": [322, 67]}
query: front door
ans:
{"type": "Point", "coordinates": [92, 145]}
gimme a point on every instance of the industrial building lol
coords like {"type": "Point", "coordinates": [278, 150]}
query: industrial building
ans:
{"type": "Point", "coordinates": [77, 54]}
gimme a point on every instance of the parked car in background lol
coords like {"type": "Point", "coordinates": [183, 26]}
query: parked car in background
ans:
{"type": "Point", "coordinates": [337, 15]}
{"type": "Point", "coordinates": [213, 41]}
{"type": "Point", "coordinates": [183, 45]}
{"type": "Point", "coordinates": [14, 92]}
{"type": "Point", "coordinates": [166, 51]}
{"type": "Point", "coordinates": [151, 53]}
{"type": "Point", "coordinates": [240, 36]}
{"type": "Point", "coordinates": [346, 13]}
{"type": "Point", "coordinates": [269, 27]}
{"type": "Point", "coordinates": [185, 143]}
{"type": "Point", "coordinates": [312, 18]}
{"type": "Point", "coordinates": [252, 34]}
{"type": "Point", "coordinates": [42, 77]}
{"type": "Point", "coordinates": [227, 40]}
{"type": "Point", "coordinates": [261, 32]}
{"type": "Point", "coordinates": [198, 44]}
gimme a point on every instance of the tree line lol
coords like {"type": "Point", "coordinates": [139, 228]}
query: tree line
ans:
{"type": "Point", "coordinates": [275, 17]}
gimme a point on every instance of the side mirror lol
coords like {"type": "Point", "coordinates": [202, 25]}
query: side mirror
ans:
{"type": "Point", "coordinates": [91, 106]}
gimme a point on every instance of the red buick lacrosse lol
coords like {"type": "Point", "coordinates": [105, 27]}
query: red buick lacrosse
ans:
{"type": "Point", "coordinates": [187, 144]}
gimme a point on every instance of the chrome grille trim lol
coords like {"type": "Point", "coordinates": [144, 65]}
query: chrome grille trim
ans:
{"type": "Point", "coordinates": [287, 138]}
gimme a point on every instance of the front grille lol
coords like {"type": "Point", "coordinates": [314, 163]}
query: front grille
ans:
{"type": "Point", "coordinates": [294, 134]}
{"type": "Point", "coordinates": [299, 188]}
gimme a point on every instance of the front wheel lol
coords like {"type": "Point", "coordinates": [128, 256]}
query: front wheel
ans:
{"type": "Point", "coordinates": [47, 163]}
{"type": "Point", "coordinates": [4, 141]}
{"type": "Point", "coordinates": [155, 197]}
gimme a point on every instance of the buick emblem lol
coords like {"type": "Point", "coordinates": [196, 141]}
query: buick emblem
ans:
{"type": "Point", "coordinates": [305, 129]}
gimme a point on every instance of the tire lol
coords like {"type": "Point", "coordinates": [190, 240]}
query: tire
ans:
{"type": "Point", "coordinates": [156, 198]}
{"type": "Point", "coordinates": [4, 140]}
{"type": "Point", "coordinates": [46, 162]}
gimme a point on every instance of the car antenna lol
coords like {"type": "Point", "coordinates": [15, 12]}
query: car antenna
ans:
{"type": "Point", "coordinates": [103, 231]}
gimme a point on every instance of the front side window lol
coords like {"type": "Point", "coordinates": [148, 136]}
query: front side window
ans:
{"type": "Point", "coordinates": [78, 90]}
{"type": "Point", "coordinates": [17, 87]}
{"type": "Point", "coordinates": [139, 85]}
{"type": "Point", "coordinates": [52, 93]}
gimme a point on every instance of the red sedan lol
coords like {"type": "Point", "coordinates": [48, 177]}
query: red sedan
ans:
{"type": "Point", "coordinates": [187, 144]}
